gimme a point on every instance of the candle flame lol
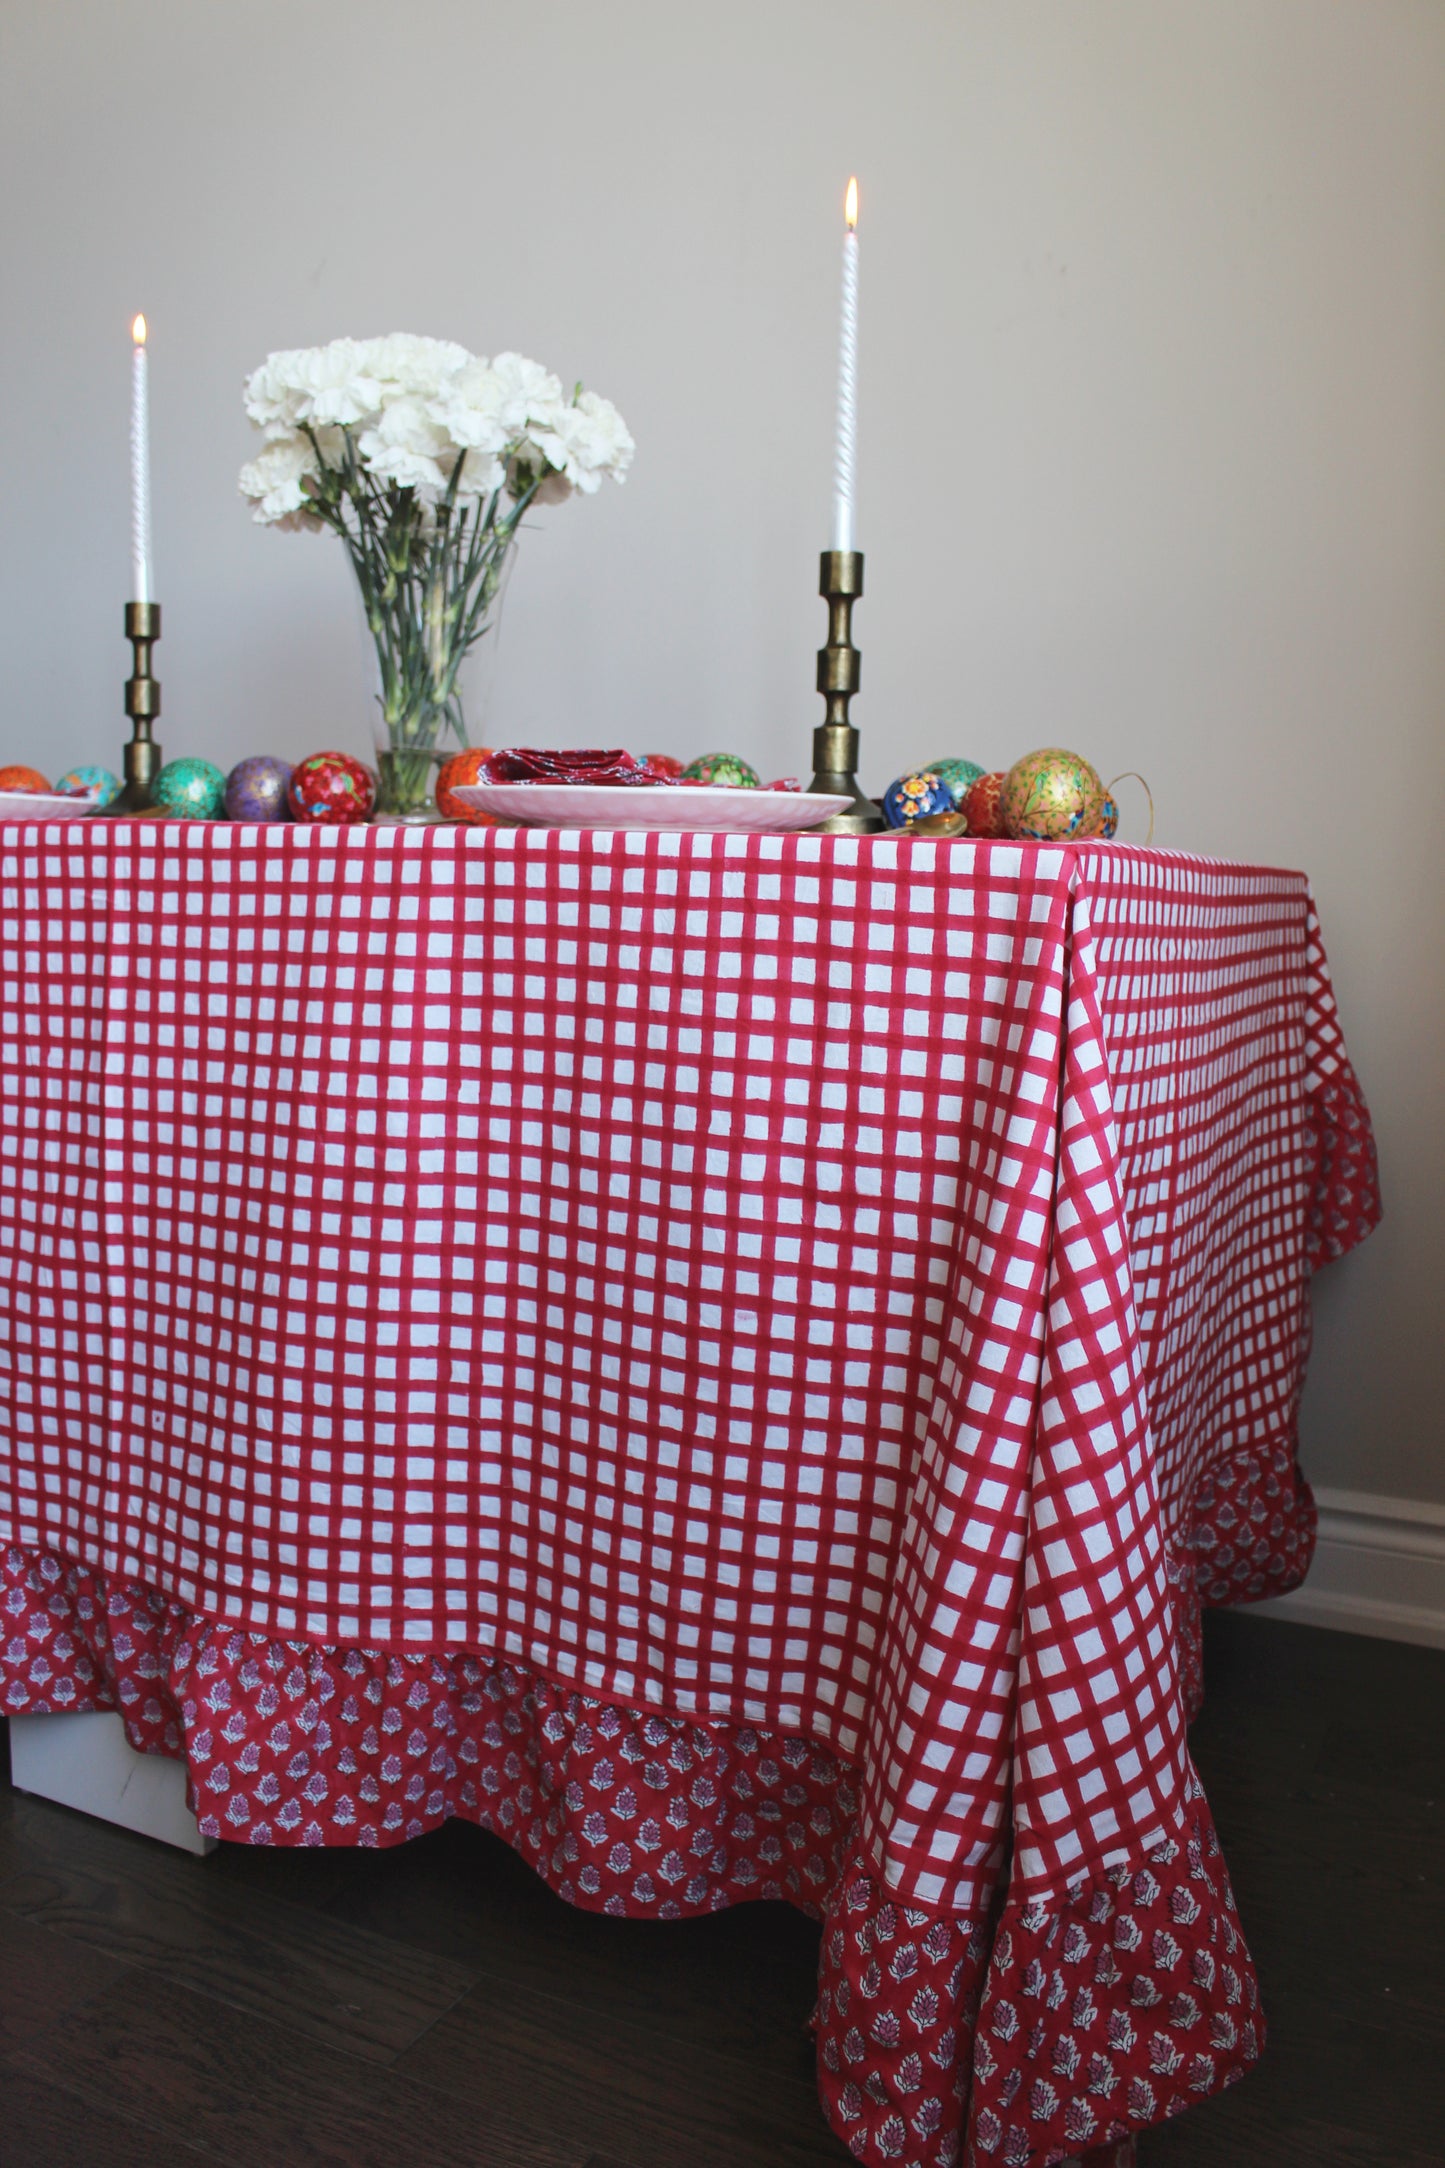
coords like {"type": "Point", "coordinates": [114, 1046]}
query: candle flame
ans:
{"type": "Point", "coordinates": [138, 331]}
{"type": "Point", "coordinates": [850, 205]}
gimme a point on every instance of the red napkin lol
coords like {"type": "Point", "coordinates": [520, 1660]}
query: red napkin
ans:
{"type": "Point", "coordinates": [532, 764]}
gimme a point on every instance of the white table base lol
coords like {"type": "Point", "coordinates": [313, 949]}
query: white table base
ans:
{"type": "Point", "coordinates": [85, 1761]}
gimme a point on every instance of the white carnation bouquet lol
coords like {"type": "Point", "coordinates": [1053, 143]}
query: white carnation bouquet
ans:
{"type": "Point", "coordinates": [423, 458]}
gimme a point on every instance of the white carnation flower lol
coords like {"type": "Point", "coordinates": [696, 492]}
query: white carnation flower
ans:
{"type": "Point", "coordinates": [529, 393]}
{"type": "Point", "coordinates": [274, 483]}
{"type": "Point", "coordinates": [470, 405]}
{"type": "Point", "coordinates": [408, 447]}
{"type": "Point", "coordinates": [482, 475]}
{"type": "Point", "coordinates": [415, 365]}
{"type": "Point", "coordinates": [325, 384]}
{"type": "Point", "coordinates": [611, 448]}
{"type": "Point", "coordinates": [586, 441]}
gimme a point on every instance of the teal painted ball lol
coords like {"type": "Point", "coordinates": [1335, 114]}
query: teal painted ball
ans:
{"type": "Point", "coordinates": [190, 789]}
{"type": "Point", "coordinates": [957, 774]}
{"type": "Point", "coordinates": [107, 787]}
{"type": "Point", "coordinates": [727, 771]}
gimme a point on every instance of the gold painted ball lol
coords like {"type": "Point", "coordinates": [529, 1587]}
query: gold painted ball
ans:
{"type": "Point", "coordinates": [1053, 796]}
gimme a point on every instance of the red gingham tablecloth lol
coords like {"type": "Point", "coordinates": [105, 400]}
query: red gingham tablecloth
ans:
{"type": "Point", "coordinates": [815, 1311]}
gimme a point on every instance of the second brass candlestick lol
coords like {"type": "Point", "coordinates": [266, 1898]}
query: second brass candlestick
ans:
{"type": "Point", "coordinates": [835, 741]}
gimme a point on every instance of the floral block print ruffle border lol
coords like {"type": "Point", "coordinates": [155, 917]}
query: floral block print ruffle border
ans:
{"type": "Point", "coordinates": [943, 2042]}
{"type": "Point", "coordinates": [1345, 1199]}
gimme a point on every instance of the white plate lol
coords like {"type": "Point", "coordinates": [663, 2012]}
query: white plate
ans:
{"type": "Point", "coordinates": [652, 805]}
{"type": "Point", "coordinates": [43, 805]}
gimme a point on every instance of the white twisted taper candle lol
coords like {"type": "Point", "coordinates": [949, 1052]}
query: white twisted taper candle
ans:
{"type": "Point", "coordinates": [140, 467]}
{"type": "Point", "coordinates": [846, 455]}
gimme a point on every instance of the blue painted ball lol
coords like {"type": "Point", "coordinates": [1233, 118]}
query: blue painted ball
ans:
{"type": "Point", "coordinates": [191, 789]}
{"type": "Point", "coordinates": [911, 796]}
{"type": "Point", "coordinates": [256, 789]}
{"type": "Point", "coordinates": [107, 787]}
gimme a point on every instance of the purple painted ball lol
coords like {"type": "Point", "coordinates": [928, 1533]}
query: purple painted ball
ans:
{"type": "Point", "coordinates": [256, 789]}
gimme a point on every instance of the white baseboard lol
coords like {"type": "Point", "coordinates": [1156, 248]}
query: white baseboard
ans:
{"type": "Point", "coordinates": [1379, 1568]}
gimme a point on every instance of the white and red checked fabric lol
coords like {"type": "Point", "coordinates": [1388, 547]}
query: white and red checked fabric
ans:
{"type": "Point", "coordinates": [786, 1282]}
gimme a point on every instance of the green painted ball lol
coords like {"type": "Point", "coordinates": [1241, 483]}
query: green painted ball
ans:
{"type": "Point", "coordinates": [724, 771]}
{"type": "Point", "coordinates": [190, 789]}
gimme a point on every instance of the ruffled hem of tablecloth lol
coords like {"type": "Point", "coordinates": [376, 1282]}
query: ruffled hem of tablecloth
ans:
{"type": "Point", "coordinates": [1021, 2038]}
{"type": "Point", "coordinates": [1345, 1204]}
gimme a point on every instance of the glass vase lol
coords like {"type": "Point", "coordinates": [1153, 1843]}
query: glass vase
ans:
{"type": "Point", "coordinates": [423, 716]}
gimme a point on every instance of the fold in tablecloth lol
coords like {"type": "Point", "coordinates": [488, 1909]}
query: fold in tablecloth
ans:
{"type": "Point", "coordinates": [792, 1293]}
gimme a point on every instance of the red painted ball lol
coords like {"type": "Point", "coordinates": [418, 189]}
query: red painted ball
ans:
{"type": "Point", "coordinates": [331, 787]}
{"type": "Point", "coordinates": [22, 779]}
{"type": "Point", "coordinates": [463, 767]}
{"type": "Point", "coordinates": [981, 807]}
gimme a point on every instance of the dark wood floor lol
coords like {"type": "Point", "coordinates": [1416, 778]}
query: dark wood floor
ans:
{"type": "Point", "coordinates": [435, 2007]}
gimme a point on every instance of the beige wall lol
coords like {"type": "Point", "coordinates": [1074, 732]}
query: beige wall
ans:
{"type": "Point", "coordinates": [1153, 421]}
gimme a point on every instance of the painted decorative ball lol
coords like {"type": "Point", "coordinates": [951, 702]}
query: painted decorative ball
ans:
{"type": "Point", "coordinates": [1052, 796]}
{"type": "Point", "coordinates": [662, 767]}
{"type": "Point", "coordinates": [107, 787]}
{"type": "Point", "coordinates": [18, 778]}
{"type": "Point", "coordinates": [913, 796]}
{"type": "Point", "coordinates": [332, 787]}
{"type": "Point", "coordinates": [957, 774]}
{"type": "Point", "coordinates": [981, 808]}
{"type": "Point", "coordinates": [256, 789]}
{"type": "Point", "coordinates": [1109, 819]}
{"type": "Point", "coordinates": [723, 770]}
{"type": "Point", "coordinates": [463, 767]}
{"type": "Point", "coordinates": [190, 789]}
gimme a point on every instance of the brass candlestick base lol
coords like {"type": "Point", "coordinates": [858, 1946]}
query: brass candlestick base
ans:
{"type": "Point", "coordinates": [142, 705]}
{"type": "Point", "coordinates": [835, 741]}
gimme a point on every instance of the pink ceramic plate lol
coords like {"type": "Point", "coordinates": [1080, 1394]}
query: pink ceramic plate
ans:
{"type": "Point", "coordinates": [42, 805]}
{"type": "Point", "coordinates": [651, 805]}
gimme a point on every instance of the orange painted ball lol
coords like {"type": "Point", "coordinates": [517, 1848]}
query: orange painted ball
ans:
{"type": "Point", "coordinates": [1053, 796]}
{"type": "Point", "coordinates": [22, 779]}
{"type": "Point", "coordinates": [980, 806]}
{"type": "Point", "coordinates": [463, 767]}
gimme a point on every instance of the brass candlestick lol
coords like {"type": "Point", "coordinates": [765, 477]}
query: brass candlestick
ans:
{"type": "Point", "coordinates": [142, 705]}
{"type": "Point", "coordinates": [835, 741]}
